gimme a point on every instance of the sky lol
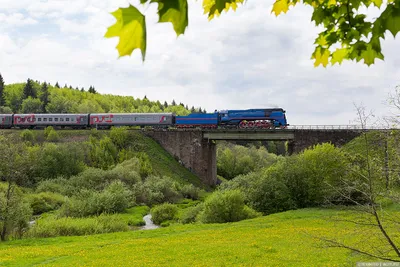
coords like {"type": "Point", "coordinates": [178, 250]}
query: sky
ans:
{"type": "Point", "coordinates": [240, 60]}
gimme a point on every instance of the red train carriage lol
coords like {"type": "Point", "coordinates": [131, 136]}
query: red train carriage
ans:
{"type": "Point", "coordinates": [55, 120]}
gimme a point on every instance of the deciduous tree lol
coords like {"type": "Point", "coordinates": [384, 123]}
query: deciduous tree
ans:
{"type": "Point", "coordinates": [346, 31]}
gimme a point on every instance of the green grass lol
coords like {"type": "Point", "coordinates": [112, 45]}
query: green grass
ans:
{"type": "Point", "coordinates": [49, 225]}
{"type": "Point", "coordinates": [283, 239]}
{"type": "Point", "coordinates": [162, 162]}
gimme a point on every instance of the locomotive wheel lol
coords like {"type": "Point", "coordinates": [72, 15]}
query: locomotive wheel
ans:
{"type": "Point", "coordinates": [243, 124]}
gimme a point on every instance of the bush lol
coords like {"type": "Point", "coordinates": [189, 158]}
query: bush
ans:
{"type": "Point", "coordinates": [163, 213]}
{"type": "Point", "coordinates": [54, 160]}
{"type": "Point", "coordinates": [190, 191]}
{"type": "Point", "coordinates": [28, 136]}
{"type": "Point", "coordinates": [53, 136]}
{"type": "Point", "coordinates": [51, 227]}
{"type": "Point", "coordinates": [47, 131]}
{"type": "Point", "coordinates": [157, 190]}
{"type": "Point", "coordinates": [115, 198]}
{"type": "Point", "coordinates": [45, 201]}
{"type": "Point", "coordinates": [59, 185]}
{"type": "Point", "coordinates": [120, 136]}
{"type": "Point", "coordinates": [269, 195]}
{"type": "Point", "coordinates": [190, 214]}
{"type": "Point", "coordinates": [227, 206]}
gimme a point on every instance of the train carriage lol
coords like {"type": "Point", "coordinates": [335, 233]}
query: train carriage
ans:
{"type": "Point", "coordinates": [131, 119]}
{"type": "Point", "coordinates": [203, 120]}
{"type": "Point", "coordinates": [44, 120]}
{"type": "Point", "coordinates": [6, 121]}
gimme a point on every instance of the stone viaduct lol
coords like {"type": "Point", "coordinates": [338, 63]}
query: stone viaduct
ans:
{"type": "Point", "coordinates": [196, 148]}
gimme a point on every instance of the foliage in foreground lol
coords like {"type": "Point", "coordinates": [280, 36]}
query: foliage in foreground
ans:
{"type": "Point", "coordinates": [343, 22]}
{"type": "Point", "coordinates": [266, 241]}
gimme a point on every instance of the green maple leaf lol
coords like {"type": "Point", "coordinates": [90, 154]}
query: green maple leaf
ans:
{"type": "Point", "coordinates": [215, 7]}
{"type": "Point", "coordinates": [280, 6]}
{"type": "Point", "coordinates": [174, 11]}
{"type": "Point", "coordinates": [369, 55]}
{"type": "Point", "coordinates": [321, 56]}
{"type": "Point", "coordinates": [339, 55]}
{"type": "Point", "coordinates": [130, 27]}
{"type": "Point", "coordinates": [392, 22]}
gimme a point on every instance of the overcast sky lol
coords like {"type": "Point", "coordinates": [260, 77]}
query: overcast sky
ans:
{"type": "Point", "coordinates": [243, 59]}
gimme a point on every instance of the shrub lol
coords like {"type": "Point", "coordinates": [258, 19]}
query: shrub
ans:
{"type": "Point", "coordinates": [59, 185]}
{"type": "Point", "coordinates": [115, 198]}
{"type": "Point", "coordinates": [53, 160]}
{"type": "Point", "coordinates": [45, 201]}
{"type": "Point", "coordinates": [190, 191]}
{"type": "Point", "coordinates": [47, 131]}
{"type": "Point", "coordinates": [270, 195]}
{"type": "Point", "coordinates": [28, 136]}
{"type": "Point", "coordinates": [156, 190]}
{"type": "Point", "coordinates": [163, 213]}
{"type": "Point", "coordinates": [52, 136]}
{"type": "Point", "coordinates": [120, 136]}
{"type": "Point", "coordinates": [190, 214]}
{"type": "Point", "coordinates": [51, 227]}
{"type": "Point", "coordinates": [227, 206]}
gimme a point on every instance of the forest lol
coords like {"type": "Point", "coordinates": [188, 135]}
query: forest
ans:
{"type": "Point", "coordinates": [41, 97]}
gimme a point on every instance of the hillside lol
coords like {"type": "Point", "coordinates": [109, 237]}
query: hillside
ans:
{"type": "Point", "coordinates": [41, 97]}
{"type": "Point", "coordinates": [161, 161]}
{"type": "Point", "coordinates": [275, 240]}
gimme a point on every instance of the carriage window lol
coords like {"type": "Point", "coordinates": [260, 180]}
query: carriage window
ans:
{"type": "Point", "coordinates": [44, 119]}
{"type": "Point", "coordinates": [55, 119]}
{"type": "Point", "coordinates": [2, 119]}
{"type": "Point", "coordinates": [50, 119]}
{"type": "Point", "coordinates": [72, 119]}
{"type": "Point", "coordinates": [61, 119]}
{"type": "Point", "coordinates": [39, 119]}
{"type": "Point", "coordinates": [33, 119]}
{"type": "Point", "coordinates": [66, 119]}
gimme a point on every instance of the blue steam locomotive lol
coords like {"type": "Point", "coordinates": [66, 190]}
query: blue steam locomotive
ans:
{"type": "Point", "coordinates": [250, 118]}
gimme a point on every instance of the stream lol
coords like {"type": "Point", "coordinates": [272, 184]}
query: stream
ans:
{"type": "Point", "coordinates": [149, 223]}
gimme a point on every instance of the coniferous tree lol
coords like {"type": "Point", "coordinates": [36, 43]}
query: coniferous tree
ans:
{"type": "Point", "coordinates": [65, 86]}
{"type": "Point", "coordinates": [200, 111]}
{"type": "Point", "coordinates": [192, 110]}
{"type": "Point", "coordinates": [28, 90]}
{"type": "Point", "coordinates": [83, 89]}
{"type": "Point", "coordinates": [165, 104]}
{"type": "Point", "coordinates": [173, 102]}
{"type": "Point", "coordinates": [92, 90]}
{"type": "Point", "coordinates": [2, 97]}
{"type": "Point", "coordinates": [187, 107]}
{"type": "Point", "coordinates": [145, 97]}
{"type": "Point", "coordinates": [70, 87]}
{"type": "Point", "coordinates": [57, 85]}
{"type": "Point", "coordinates": [44, 97]}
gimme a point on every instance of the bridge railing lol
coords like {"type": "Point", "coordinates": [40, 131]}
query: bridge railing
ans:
{"type": "Point", "coordinates": [336, 127]}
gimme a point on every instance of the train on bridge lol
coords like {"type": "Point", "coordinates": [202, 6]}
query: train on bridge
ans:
{"type": "Point", "coordinates": [251, 118]}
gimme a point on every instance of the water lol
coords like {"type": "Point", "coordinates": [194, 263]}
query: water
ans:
{"type": "Point", "coordinates": [149, 223]}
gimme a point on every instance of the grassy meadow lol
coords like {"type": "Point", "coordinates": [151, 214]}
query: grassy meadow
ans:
{"type": "Point", "coordinates": [281, 239]}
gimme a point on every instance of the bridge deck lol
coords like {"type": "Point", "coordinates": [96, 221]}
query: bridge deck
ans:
{"type": "Point", "coordinates": [249, 135]}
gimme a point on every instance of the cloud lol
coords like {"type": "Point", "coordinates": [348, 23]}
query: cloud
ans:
{"type": "Point", "coordinates": [15, 20]}
{"type": "Point", "coordinates": [243, 59]}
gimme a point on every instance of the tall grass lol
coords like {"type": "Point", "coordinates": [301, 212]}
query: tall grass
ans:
{"type": "Point", "coordinates": [51, 226]}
